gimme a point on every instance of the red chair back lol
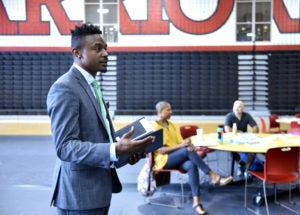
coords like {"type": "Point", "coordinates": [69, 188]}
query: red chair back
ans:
{"type": "Point", "coordinates": [274, 127]}
{"type": "Point", "coordinates": [272, 120]}
{"type": "Point", "coordinates": [295, 124]}
{"type": "Point", "coordinates": [187, 131]}
{"type": "Point", "coordinates": [295, 131]}
{"type": "Point", "coordinates": [282, 165]}
{"type": "Point", "coordinates": [263, 125]}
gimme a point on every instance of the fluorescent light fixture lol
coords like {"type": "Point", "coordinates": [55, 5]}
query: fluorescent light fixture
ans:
{"type": "Point", "coordinates": [103, 11]}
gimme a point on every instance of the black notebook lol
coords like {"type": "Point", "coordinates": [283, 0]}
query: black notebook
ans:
{"type": "Point", "coordinates": [141, 126]}
{"type": "Point", "coordinates": [142, 130]}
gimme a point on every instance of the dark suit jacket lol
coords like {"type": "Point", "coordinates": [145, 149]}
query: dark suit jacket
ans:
{"type": "Point", "coordinates": [83, 177]}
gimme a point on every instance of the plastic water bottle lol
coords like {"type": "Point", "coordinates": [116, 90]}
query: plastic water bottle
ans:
{"type": "Point", "coordinates": [258, 200]}
{"type": "Point", "coordinates": [234, 128]}
{"type": "Point", "coordinates": [220, 134]}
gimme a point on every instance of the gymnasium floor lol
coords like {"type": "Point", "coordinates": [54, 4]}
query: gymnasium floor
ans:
{"type": "Point", "coordinates": [27, 161]}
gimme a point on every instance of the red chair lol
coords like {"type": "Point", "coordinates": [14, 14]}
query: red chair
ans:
{"type": "Point", "coordinates": [166, 180]}
{"type": "Point", "coordinates": [281, 166]}
{"type": "Point", "coordinates": [297, 115]}
{"type": "Point", "coordinates": [274, 127]}
{"type": "Point", "coordinates": [187, 131]}
{"type": "Point", "coordinates": [295, 131]}
{"type": "Point", "coordinates": [263, 125]}
{"type": "Point", "coordinates": [295, 124]}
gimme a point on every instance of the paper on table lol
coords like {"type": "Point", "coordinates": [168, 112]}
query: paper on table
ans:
{"type": "Point", "coordinates": [199, 140]}
{"type": "Point", "coordinates": [245, 138]}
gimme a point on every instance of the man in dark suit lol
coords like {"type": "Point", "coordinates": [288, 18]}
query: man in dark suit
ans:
{"type": "Point", "coordinates": [83, 134]}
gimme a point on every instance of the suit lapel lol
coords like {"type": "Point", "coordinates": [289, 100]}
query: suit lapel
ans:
{"type": "Point", "coordinates": [110, 122]}
{"type": "Point", "coordinates": [87, 89]}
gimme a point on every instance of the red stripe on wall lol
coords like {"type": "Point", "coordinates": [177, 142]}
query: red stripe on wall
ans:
{"type": "Point", "coordinates": [160, 48]}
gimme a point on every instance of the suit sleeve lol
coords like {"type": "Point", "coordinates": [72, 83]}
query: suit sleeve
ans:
{"type": "Point", "coordinates": [77, 138]}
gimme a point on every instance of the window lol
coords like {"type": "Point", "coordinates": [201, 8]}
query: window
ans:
{"type": "Point", "coordinates": [253, 20]}
{"type": "Point", "coordinates": [103, 13]}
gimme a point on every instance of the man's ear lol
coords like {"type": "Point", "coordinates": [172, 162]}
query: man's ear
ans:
{"type": "Point", "coordinates": [76, 53]}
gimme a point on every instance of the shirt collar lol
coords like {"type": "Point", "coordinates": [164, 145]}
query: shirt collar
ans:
{"type": "Point", "coordinates": [87, 76]}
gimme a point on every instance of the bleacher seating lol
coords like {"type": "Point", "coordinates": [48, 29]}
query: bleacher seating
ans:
{"type": "Point", "coordinates": [196, 83]}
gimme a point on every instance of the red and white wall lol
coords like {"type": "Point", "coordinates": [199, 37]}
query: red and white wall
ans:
{"type": "Point", "coordinates": [151, 25]}
{"type": "Point", "coordinates": [160, 43]}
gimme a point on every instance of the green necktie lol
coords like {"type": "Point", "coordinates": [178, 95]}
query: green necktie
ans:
{"type": "Point", "coordinates": [102, 108]}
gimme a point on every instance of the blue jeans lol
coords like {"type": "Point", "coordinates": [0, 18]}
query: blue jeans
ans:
{"type": "Point", "coordinates": [257, 164]}
{"type": "Point", "coordinates": [190, 162]}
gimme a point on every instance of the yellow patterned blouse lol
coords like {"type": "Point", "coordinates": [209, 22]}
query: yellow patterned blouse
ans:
{"type": "Point", "coordinates": [172, 137]}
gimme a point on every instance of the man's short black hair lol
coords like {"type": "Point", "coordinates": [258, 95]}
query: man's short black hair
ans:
{"type": "Point", "coordinates": [81, 31]}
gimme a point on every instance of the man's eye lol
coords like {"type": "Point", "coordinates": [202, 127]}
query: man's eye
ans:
{"type": "Point", "coordinates": [98, 48]}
